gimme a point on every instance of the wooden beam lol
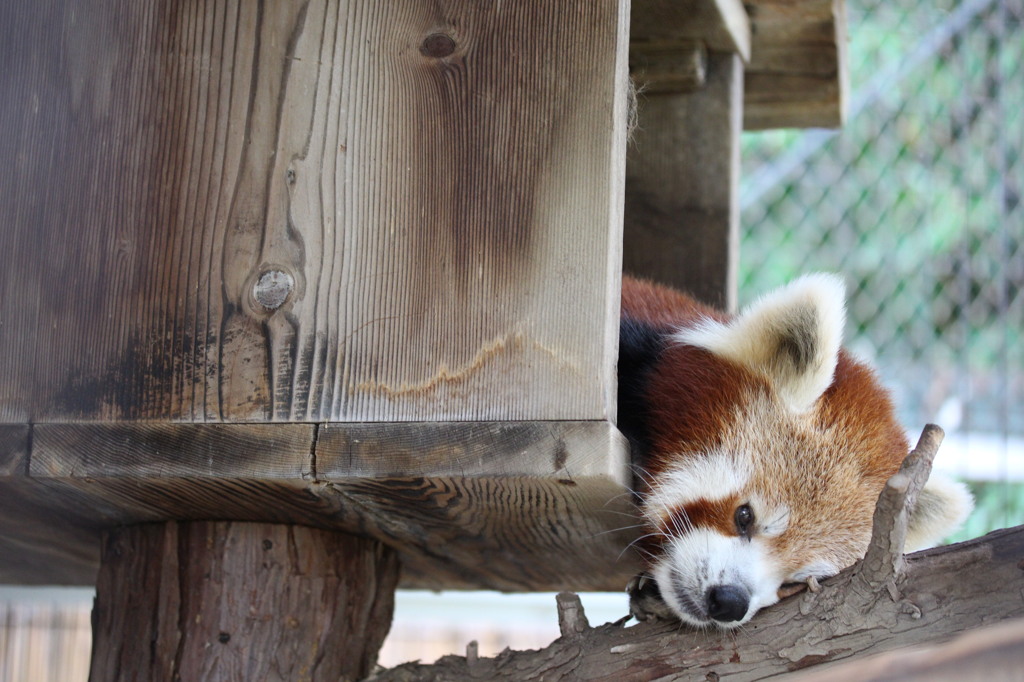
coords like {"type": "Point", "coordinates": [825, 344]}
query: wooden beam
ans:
{"type": "Point", "coordinates": [794, 50]}
{"type": "Point", "coordinates": [797, 76]}
{"type": "Point", "coordinates": [43, 539]}
{"type": "Point", "coordinates": [659, 68]}
{"type": "Point", "coordinates": [515, 506]}
{"type": "Point", "coordinates": [722, 25]}
{"type": "Point", "coordinates": [682, 177]}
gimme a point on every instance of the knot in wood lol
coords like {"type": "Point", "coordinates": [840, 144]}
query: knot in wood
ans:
{"type": "Point", "coordinates": [437, 45]}
{"type": "Point", "coordinates": [273, 288]}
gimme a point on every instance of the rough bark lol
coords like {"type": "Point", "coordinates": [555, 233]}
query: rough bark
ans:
{"type": "Point", "coordinates": [239, 601]}
{"type": "Point", "coordinates": [883, 603]}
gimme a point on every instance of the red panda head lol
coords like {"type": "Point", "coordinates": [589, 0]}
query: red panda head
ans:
{"type": "Point", "coordinates": [768, 448]}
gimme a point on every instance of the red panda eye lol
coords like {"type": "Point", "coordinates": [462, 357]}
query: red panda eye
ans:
{"type": "Point", "coordinates": [744, 518]}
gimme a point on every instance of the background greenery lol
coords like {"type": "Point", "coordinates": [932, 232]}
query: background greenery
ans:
{"type": "Point", "coordinates": [916, 202]}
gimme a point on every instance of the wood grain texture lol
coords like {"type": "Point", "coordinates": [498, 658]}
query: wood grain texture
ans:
{"type": "Point", "coordinates": [682, 179]}
{"type": "Point", "coordinates": [512, 506]}
{"type": "Point", "coordinates": [432, 190]}
{"type": "Point", "coordinates": [160, 450]}
{"type": "Point", "coordinates": [556, 450]}
{"type": "Point", "coordinates": [43, 538]}
{"type": "Point", "coordinates": [797, 76]}
{"type": "Point", "coordinates": [239, 601]}
{"type": "Point", "coordinates": [994, 654]}
{"type": "Point", "coordinates": [14, 449]}
{"type": "Point", "coordinates": [722, 25]}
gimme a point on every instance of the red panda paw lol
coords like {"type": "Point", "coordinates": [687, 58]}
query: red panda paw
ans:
{"type": "Point", "coordinates": [645, 601]}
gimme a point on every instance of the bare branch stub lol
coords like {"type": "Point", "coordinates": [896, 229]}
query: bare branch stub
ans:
{"type": "Point", "coordinates": [572, 621]}
{"type": "Point", "coordinates": [883, 563]}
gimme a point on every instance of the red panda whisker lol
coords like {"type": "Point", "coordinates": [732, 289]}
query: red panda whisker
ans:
{"type": "Point", "coordinates": [641, 550]}
{"type": "Point", "coordinates": [616, 530]}
{"type": "Point", "coordinates": [628, 493]}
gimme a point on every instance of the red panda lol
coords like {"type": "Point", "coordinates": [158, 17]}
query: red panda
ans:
{"type": "Point", "coordinates": [760, 446]}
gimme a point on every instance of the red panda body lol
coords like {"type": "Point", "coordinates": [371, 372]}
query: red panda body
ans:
{"type": "Point", "coordinates": [760, 445]}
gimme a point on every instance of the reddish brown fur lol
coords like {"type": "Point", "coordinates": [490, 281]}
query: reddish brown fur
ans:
{"type": "Point", "coordinates": [695, 396]}
{"type": "Point", "coordinates": [661, 306]}
{"type": "Point", "coordinates": [863, 407]}
{"type": "Point", "coordinates": [716, 514]}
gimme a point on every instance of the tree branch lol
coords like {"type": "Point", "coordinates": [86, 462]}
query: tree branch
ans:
{"type": "Point", "coordinates": [883, 564]}
{"type": "Point", "coordinates": [881, 604]}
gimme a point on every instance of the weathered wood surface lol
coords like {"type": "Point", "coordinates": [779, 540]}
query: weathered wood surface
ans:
{"type": "Point", "coordinates": [993, 654]}
{"type": "Point", "coordinates": [240, 601]}
{"type": "Point", "coordinates": [794, 53]}
{"type": "Point", "coordinates": [945, 592]}
{"type": "Point", "coordinates": [721, 25]}
{"type": "Point", "coordinates": [43, 538]}
{"type": "Point", "coordinates": [511, 506]}
{"type": "Point", "coordinates": [310, 211]}
{"type": "Point", "coordinates": [797, 76]}
{"type": "Point", "coordinates": [682, 179]}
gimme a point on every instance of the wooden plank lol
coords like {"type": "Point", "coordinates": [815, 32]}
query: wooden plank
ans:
{"type": "Point", "coordinates": [682, 177]}
{"type": "Point", "coordinates": [42, 540]}
{"type": "Point", "coordinates": [722, 25]}
{"type": "Point", "coordinates": [160, 450]}
{"type": "Point", "coordinates": [557, 450]}
{"type": "Point", "coordinates": [798, 75]}
{"type": "Point", "coordinates": [795, 53]}
{"type": "Point", "coordinates": [14, 447]}
{"type": "Point", "coordinates": [475, 505]}
{"type": "Point", "coordinates": [328, 210]}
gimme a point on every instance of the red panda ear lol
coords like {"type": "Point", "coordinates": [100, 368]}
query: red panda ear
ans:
{"type": "Point", "coordinates": [942, 507]}
{"type": "Point", "coordinates": [791, 335]}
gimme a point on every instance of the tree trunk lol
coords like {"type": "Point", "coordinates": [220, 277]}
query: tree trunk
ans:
{"type": "Point", "coordinates": [239, 601]}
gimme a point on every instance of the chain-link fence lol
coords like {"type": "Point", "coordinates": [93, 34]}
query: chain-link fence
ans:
{"type": "Point", "coordinates": [916, 201]}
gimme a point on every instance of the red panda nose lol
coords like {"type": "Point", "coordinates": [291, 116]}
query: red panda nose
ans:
{"type": "Point", "coordinates": [727, 603]}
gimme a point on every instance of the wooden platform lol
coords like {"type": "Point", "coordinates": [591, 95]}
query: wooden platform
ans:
{"type": "Point", "coordinates": [505, 505]}
{"type": "Point", "coordinates": [356, 265]}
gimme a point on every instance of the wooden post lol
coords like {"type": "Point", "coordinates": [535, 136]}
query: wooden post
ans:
{"type": "Point", "coordinates": [682, 178]}
{"type": "Point", "coordinates": [239, 601]}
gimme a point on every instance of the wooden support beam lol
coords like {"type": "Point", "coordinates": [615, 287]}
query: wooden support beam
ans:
{"type": "Point", "coordinates": [797, 76]}
{"type": "Point", "coordinates": [682, 178]}
{"type": "Point", "coordinates": [514, 505]}
{"type": "Point", "coordinates": [722, 25]}
{"type": "Point", "coordinates": [239, 601]}
{"type": "Point", "coordinates": [794, 53]}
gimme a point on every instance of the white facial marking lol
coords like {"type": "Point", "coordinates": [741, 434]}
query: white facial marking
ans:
{"type": "Point", "coordinates": [712, 476]}
{"type": "Point", "coordinates": [703, 559]}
